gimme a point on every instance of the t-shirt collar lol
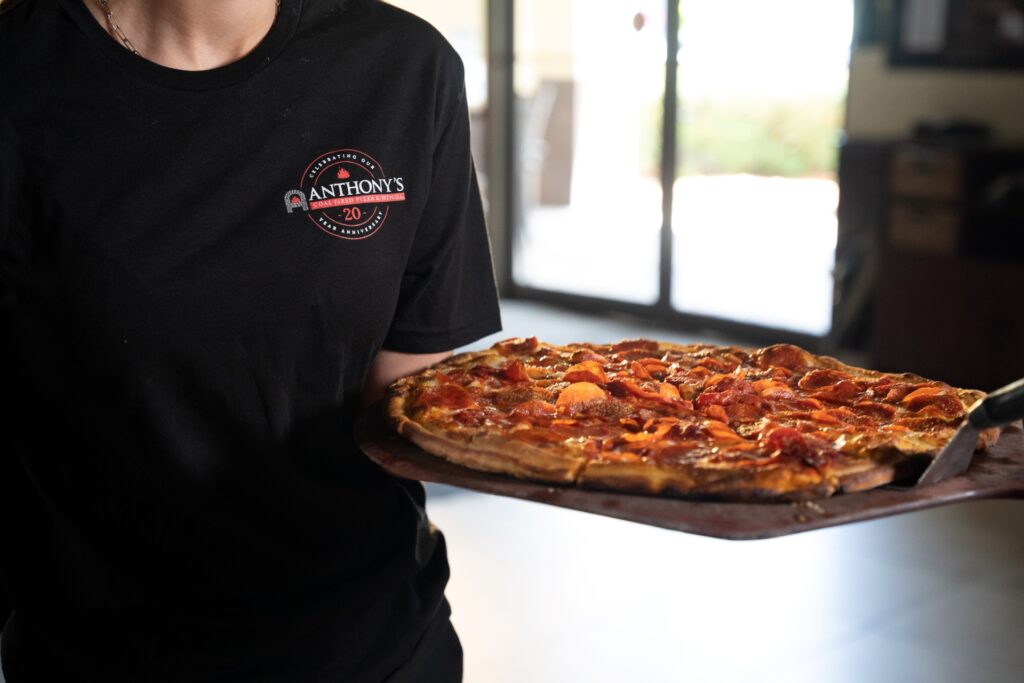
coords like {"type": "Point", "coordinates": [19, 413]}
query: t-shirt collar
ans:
{"type": "Point", "coordinates": [280, 33]}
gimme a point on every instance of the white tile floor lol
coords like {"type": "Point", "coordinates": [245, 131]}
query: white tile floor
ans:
{"type": "Point", "coordinates": [545, 595]}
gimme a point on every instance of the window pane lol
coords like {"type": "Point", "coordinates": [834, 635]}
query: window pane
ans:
{"type": "Point", "coordinates": [589, 88]}
{"type": "Point", "coordinates": [761, 88]}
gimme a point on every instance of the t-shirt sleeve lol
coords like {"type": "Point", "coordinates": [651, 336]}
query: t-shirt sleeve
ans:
{"type": "Point", "coordinates": [448, 296]}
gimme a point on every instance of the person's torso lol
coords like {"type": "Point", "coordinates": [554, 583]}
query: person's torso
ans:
{"type": "Point", "coordinates": [199, 272]}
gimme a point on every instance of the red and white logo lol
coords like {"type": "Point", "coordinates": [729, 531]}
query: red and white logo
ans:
{"type": "Point", "coordinates": [346, 194]}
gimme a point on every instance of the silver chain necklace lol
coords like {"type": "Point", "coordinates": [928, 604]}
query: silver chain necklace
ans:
{"type": "Point", "coordinates": [115, 29]}
{"type": "Point", "coordinates": [120, 34]}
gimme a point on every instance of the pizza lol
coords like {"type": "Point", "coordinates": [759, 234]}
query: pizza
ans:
{"type": "Point", "coordinates": [698, 420]}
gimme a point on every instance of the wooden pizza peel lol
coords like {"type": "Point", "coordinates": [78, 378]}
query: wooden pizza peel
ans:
{"type": "Point", "coordinates": [997, 472]}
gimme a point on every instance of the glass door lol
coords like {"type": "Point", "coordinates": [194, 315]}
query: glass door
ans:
{"type": "Point", "coordinates": [589, 92]}
{"type": "Point", "coordinates": [670, 158]}
{"type": "Point", "coordinates": [762, 88]}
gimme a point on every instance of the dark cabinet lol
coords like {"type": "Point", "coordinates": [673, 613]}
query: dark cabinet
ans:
{"type": "Point", "coordinates": [930, 260]}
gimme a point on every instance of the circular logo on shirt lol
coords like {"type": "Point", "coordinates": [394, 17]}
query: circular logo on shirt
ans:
{"type": "Point", "coordinates": [346, 193]}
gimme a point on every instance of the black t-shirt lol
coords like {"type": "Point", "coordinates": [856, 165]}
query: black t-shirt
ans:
{"type": "Point", "coordinates": [196, 269]}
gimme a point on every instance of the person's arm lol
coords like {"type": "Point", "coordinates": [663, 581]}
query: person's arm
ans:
{"type": "Point", "coordinates": [387, 366]}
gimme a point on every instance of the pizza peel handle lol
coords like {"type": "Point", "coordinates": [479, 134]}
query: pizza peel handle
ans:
{"type": "Point", "coordinates": [999, 408]}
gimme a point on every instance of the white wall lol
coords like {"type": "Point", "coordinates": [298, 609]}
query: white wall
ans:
{"type": "Point", "coordinates": [886, 103]}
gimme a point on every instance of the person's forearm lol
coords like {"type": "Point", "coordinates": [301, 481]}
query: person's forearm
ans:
{"type": "Point", "coordinates": [388, 366]}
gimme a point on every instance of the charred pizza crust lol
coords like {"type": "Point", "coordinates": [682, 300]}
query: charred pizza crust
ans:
{"type": "Point", "coordinates": [488, 452]}
{"type": "Point", "coordinates": [520, 389]}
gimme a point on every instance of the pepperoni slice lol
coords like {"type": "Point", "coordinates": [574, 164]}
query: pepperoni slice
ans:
{"type": "Point", "coordinates": [580, 393]}
{"type": "Point", "coordinates": [816, 379]}
{"type": "Point", "coordinates": [783, 355]}
{"type": "Point", "coordinates": [624, 388]}
{"type": "Point", "coordinates": [772, 388]}
{"type": "Point", "coordinates": [533, 408]}
{"type": "Point", "coordinates": [737, 405]}
{"type": "Point", "coordinates": [808, 404]}
{"type": "Point", "coordinates": [723, 382]}
{"type": "Point", "coordinates": [640, 370]}
{"type": "Point", "coordinates": [470, 417]}
{"type": "Point", "coordinates": [587, 371]}
{"type": "Point", "coordinates": [477, 371]}
{"type": "Point", "coordinates": [876, 410]}
{"type": "Point", "coordinates": [939, 398]}
{"type": "Point", "coordinates": [445, 396]}
{"type": "Point", "coordinates": [636, 345]}
{"type": "Point", "coordinates": [844, 391]}
{"type": "Point", "coordinates": [790, 444]}
{"type": "Point", "coordinates": [517, 346]}
{"type": "Point", "coordinates": [718, 364]}
{"type": "Point", "coordinates": [716, 412]}
{"type": "Point", "coordinates": [895, 393]}
{"type": "Point", "coordinates": [668, 391]}
{"type": "Point", "coordinates": [515, 371]}
{"type": "Point", "coordinates": [588, 354]}
{"type": "Point", "coordinates": [834, 416]}
{"type": "Point", "coordinates": [646, 437]}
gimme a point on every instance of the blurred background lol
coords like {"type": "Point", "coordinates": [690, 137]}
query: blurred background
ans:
{"type": "Point", "coordinates": [847, 175]}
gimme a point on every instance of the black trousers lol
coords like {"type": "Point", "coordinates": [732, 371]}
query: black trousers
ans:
{"type": "Point", "coordinates": [436, 659]}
